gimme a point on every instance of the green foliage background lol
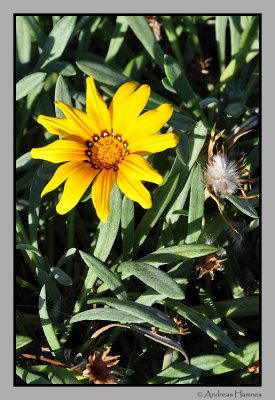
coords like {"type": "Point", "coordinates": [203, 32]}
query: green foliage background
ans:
{"type": "Point", "coordinates": [140, 268]}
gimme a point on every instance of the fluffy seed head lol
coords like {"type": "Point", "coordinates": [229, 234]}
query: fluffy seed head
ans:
{"type": "Point", "coordinates": [222, 175]}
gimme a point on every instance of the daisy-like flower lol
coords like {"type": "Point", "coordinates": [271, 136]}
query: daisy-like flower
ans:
{"type": "Point", "coordinates": [106, 145]}
{"type": "Point", "coordinates": [222, 175]}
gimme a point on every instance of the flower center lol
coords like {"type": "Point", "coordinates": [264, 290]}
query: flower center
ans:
{"type": "Point", "coordinates": [106, 151]}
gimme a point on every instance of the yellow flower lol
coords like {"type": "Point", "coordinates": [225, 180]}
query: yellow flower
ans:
{"type": "Point", "coordinates": [104, 146]}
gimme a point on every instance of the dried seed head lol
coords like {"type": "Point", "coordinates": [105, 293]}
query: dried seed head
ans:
{"type": "Point", "coordinates": [99, 368]}
{"type": "Point", "coordinates": [209, 264]}
{"type": "Point", "coordinates": [254, 367]}
{"type": "Point", "coordinates": [222, 176]}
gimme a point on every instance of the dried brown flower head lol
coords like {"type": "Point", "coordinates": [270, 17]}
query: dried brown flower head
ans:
{"type": "Point", "coordinates": [254, 367]}
{"type": "Point", "coordinates": [99, 368]}
{"type": "Point", "coordinates": [154, 24]}
{"type": "Point", "coordinates": [209, 264]}
{"type": "Point", "coordinates": [181, 325]}
{"type": "Point", "coordinates": [202, 65]}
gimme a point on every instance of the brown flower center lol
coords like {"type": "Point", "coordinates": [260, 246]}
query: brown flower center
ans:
{"type": "Point", "coordinates": [106, 151]}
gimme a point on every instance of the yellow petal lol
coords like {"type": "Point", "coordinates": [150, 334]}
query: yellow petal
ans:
{"type": "Point", "coordinates": [78, 120]}
{"type": "Point", "coordinates": [134, 189]}
{"type": "Point", "coordinates": [61, 127]}
{"type": "Point", "coordinates": [60, 151]}
{"type": "Point", "coordinates": [120, 96]}
{"type": "Point", "coordinates": [129, 110]}
{"type": "Point", "coordinates": [136, 167]}
{"type": "Point", "coordinates": [101, 191]}
{"type": "Point", "coordinates": [96, 108]}
{"type": "Point", "coordinates": [75, 187]}
{"type": "Point", "coordinates": [61, 174]}
{"type": "Point", "coordinates": [152, 121]}
{"type": "Point", "coordinates": [153, 143]}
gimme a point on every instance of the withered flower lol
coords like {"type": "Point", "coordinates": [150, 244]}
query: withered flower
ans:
{"type": "Point", "coordinates": [154, 24]}
{"type": "Point", "coordinates": [181, 325]}
{"type": "Point", "coordinates": [254, 367]}
{"type": "Point", "coordinates": [209, 264]}
{"type": "Point", "coordinates": [99, 368]}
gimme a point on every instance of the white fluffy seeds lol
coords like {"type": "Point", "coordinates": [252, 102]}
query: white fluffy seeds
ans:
{"type": "Point", "coordinates": [222, 175]}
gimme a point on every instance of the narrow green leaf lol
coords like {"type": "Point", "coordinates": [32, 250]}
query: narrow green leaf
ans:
{"type": "Point", "coordinates": [57, 41]}
{"type": "Point", "coordinates": [37, 186]}
{"type": "Point", "coordinates": [61, 277]}
{"type": "Point", "coordinates": [46, 323]}
{"type": "Point", "coordinates": [62, 93]}
{"type": "Point", "coordinates": [141, 29]}
{"type": "Point", "coordinates": [235, 34]}
{"type": "Point", "coordinates": [175, 372]}
{"type": "Point", "coordinates": [220, 31]}
{"type": "Point", "coordinates": [232, 362]}
{"type": "Point", "coordinates": [62, 376]}
{"type": "Point", "coordinates": [29, 247]}
{"type": "Point", "coordinates": [66, 257]}
{"type": "Point", "coordinates": [31, 378]}
{"type": "Point", "coordinates": [35, 29]}
{"type": "Point", "coordinates": [182, 122]}
{"type": "Point", "coordinates": [150, 315]}
{"type": "Point", "coordinates": [209, 101]}
{"type": "Point", "coordinates": [243, 205]}
{"type": "Point", "coordinates": [152, 277]}
{"type": "Point", "coordinates": [28, 83]}
{"type": "Point", "coordinates": [61, 67]}
{"type": "Point", "coordinates": [107, 314]}
{"type": "Point", "coordinates": [205, 324]}
{"type": "Point", "coordinates": [166, 84]}
{"type": "Point", "coordinates": [177, 253]}
{"type": "Point", "coordinates": [234, 110]}
{"type": "Point", "coordinates": [162, 198]}
{"type": "Point", "coordinates": [127, 227]}
{"type": "Point", "coordinates": [196, 206]}
{"type": "Point", "coordinates": [25, 162]}
{"type": "Point", "coordinates": [207, 362]}
{"type": "Point", "coordinates": [117, 38]}
{"type": "Point", "coordinates": [196, 142]}
{"type": "Point", "coordinates": [108, 232]}
{"type": "Point", "coordinates": [23, 46]}
{"type": "Point", "coordinates": [21, 342]}
{"type": "Point", "coordinates": [236, 308]}
{"type": "Point", "coordinates": [105, 274]}
{"type": "Point", "coordinates": [173, 39]}
{"type": "Point", "coordinates": [90, 65]}
{"type": "Point", "coordinates": [180, 83]}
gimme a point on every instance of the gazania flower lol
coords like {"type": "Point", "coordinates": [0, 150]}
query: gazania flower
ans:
{"type": "Point", "coordinates": [106, 145]}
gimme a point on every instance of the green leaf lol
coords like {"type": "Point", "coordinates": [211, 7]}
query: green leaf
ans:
{"type": "Point", "coordinates": [150, 315]}
{"type": "Point", "coordinates": [108, 232]}
{"type": "Point", "coordinates": [127, 227]}
{"type": "Point", "coordinates": [150, 218]}
{"type": "Point", "coordinates": [166, 84]}
{"type": "Point", "coordinates": [105, 274]}
{"type": "Point", "coordinates": [25, 162]}
{"type": "Point", "coordinates": [62, 93]}
{"type": "Point", "coordinates": [61, 277]}
{"type": "Point", "coordinates": [196, 206]}
{"type": "Point", "coordinates": [235, 34]}
{"type": "Point", "coordinates": [61, 67]}
{"type": "Point", "coordinates": [57, 41]}
{"type": "Point", "coordinates": [234, 110]}
{"type": "Point", "coordinates": [209, 101]}
{"type": "Point", "coordinates": [35, 29]}
{"type": "Point", "coordinates": [29, 247]}
{"type": "Point", "coordinates": [205, 324]}
{"type": "Point", "coordinates": [173, 38]}
{"type": "Point", "coordinates": [61, 376]}
{"type": "Point", "coordinates": [175, 372]}
{"type": "Point", "coordinates": [207, 361]}
{"type": "Point", "coordinates": [21, 342]}
{"type": "Point", "coordinates": [46, 323]}
{"type": "Point", "coordinates": [107, 314]}
{"type": "Point", "coordinates": [172, 254]}
{"type": "Point", "coordinates": [232, 362]}
{"type": "Point", "coordinates": [220, 31]}
{"type": "Point", "coordinates": [243, 205]}
{"type": "Point", "coordinates": [37, 186]}
{"type": "Point", "coordinates": [182, 122]}
{"type": "Point", "coordinates": [31, 378]}
{"type": "Point", "coordinates": [66, 257]}
{"type": "Point", "coordinates": [23, 46]}
{"type": "Point", "coordinates": [152, 277]}
{"type": "Point", "coordinates": [90, 65]}
{"type": "Point", "coordinates": [28, 83]}
{"type": "Point", "coordinates": [117, 38]}
{"type": "Point", "coordinates": [196, 142]}
{"type": "Point", "coordinates": [141, 29]}
{"type": "Point", "coordinates": [180, 83]}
